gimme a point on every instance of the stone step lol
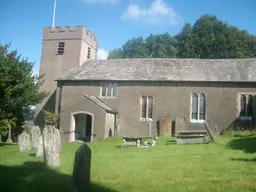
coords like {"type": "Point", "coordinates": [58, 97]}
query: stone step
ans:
{"type": "Point", "coordinates": [190, 136]}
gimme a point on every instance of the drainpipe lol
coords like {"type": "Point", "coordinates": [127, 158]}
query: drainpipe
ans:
{"type": "Point", "coordinates": [150, 128]}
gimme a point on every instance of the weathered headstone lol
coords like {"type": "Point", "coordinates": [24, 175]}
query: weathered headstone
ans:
{"type": "Point", "coordinates": [24, 142]}
{"type": "Point", "coordinates": [51, 147]}
{"type": "Point", "coordinates": [35, 133]}
{"type": "Point", "coordinates": [81, 169]}
{"type": "Point", "coordinates": [56, 132]}
{"type": "Point", "coordinates": [181, 123]}
{"type": "Point", "coordinates": [39, 148]}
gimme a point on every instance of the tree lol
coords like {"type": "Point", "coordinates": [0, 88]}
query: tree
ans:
{"type": "Point", "coordinates": [19, 88]}
{"type": "Point", "coordinates": [51, 119]}
{"type": "Point", "coordinates": [185, 41]}
{"type": "Point", "coordinates": [208, 38]}
{"type": "Point", "coordinates": [116, 54]}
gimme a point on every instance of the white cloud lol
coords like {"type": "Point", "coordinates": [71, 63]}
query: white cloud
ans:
{"type": "Point", "coordinates": [102, 54]}
{"type": "Point", "coordinates": [102, 1]}
{"type": "Point", "coordinates": [158, 13]}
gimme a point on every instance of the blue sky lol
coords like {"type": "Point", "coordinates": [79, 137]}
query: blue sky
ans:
{"type": "Point", "coordinates": [113, 21]}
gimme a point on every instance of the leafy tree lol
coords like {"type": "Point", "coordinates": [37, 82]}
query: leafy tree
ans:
{"type": "Point", "coordinates": [161, 46]}
{"type": "Point", "coordinates": [51, 118]}
{"type": "Point", "coordinates": [209, 38]}
{"type": "Point", "coordinates": [19, 88]}
{"type": "Point", "coordinates": [27, 126]}
{"type": "Point", "coordinates": [116, 54]}
{"type": "Point", "coordinates": [185, 39]}
{"type": "Point", "coordinates": [135, 48]}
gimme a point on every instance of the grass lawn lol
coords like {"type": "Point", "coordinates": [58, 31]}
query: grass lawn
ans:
{"type": "Point", "coordinates": [229, 165]}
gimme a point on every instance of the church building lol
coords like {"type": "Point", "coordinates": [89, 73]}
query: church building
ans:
{"type": "Point", "coordinates": [96, 99]}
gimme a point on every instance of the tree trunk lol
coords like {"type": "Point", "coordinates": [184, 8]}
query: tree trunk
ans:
{"type": "Point", "coordinates": [9, 140]}
{"type": "Point", "coordinates": [0, 138]}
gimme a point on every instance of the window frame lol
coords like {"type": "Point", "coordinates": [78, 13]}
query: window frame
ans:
{"type": "Point", "coordinates": [111, 85]}
{"type": "Point", "coordinates": [247, 95]}
{"type": "Point", "coordinates": [147, 107]}
{"type": "Point", "coordinates": [198, 120]}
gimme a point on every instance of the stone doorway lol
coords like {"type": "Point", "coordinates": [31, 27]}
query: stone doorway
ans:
{"type": "Point", "coordinates": [83, 127]}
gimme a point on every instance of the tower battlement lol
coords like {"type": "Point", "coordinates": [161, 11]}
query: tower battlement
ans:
{"type": "Point", "coordinates": [68, 33]}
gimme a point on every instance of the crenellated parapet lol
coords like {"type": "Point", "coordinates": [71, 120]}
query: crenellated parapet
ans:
{"type": "Point", "coordinates": [68, 32]}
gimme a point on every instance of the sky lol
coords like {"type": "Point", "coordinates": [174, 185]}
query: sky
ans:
{"type": "Point", "coordinates": [112, 21]}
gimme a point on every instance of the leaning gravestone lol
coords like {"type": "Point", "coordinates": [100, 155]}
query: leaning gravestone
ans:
{"type": "Point", "coordinates": [35, 133]}
{"type": "Point", "coordinates": [181, 123]}
{"type": "Point", "coordinates": [39, 148]}
{"type": "Point", "coordinates": [24, 142]}
{"type": "Point", "coordinates": [52, 156]}
{"type": "Point", "coordinates": [81, 170]}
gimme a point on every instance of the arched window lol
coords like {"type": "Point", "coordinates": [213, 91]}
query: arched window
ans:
{"type": "Point", "coordinates": [249, 106]}
{"type": "Point", "coordinates": [143, 107]}
{"type": "Point", "coordinates": [242, 105]}
{"type": "Point", "coordinates": [194, 106]}
{"type": "Point", "coordinates": [150, 107]}
{"type": "Point", "coordinates": [202, 106]}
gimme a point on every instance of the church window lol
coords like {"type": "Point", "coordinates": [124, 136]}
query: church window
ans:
{"type": "Point", "coordinates": [61, 47]}
{"type": "Point", "coordinates": [109, 90]}
{"type": "Point", "coordinates": [146, 108]}
{"type": "Point", "coordinates": [198, 108]}
{"type": "Point", "coordinates": [246, 106]}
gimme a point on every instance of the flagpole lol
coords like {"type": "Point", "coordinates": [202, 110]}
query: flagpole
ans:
{"type": "Point", "coordinates": [53, 18]}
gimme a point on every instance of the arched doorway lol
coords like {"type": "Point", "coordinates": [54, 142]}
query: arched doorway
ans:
{"type": "Point", "coordinates": [82, 124]}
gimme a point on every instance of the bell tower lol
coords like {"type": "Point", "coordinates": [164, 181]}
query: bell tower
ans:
{"type": "Point", "coordinates": [64, 48]}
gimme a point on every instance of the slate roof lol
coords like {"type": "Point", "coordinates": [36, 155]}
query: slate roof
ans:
{"type": "Point", "coordinates": [230, 70]}
{"type": "Point", "coordinates": [94, 100]}
{"type": "Point", "coordinates": [100, 103]}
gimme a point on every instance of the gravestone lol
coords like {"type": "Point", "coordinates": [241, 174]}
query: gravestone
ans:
{"type": "Point", "coordinates": [24, 142]}
{"type": "Point", "coordinates": [35, 133]}
{"type": "Point", "coordinates": [181, 123]}
{"type": "Point", "coordinates": [51, 147]}
{"type": "Point", "coordinates": [81, 170]}
{"type": "Point", "coordinates": [39, 148]}
{"type": "Point", "coordinates": [56, 132]}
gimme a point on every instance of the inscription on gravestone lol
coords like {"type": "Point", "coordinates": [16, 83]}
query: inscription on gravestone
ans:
{"type": "Point", "coordinates": [81, 170]}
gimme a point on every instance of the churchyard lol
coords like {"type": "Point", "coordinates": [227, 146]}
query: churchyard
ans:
{"type": "Point", "coordinates": [229, 164]}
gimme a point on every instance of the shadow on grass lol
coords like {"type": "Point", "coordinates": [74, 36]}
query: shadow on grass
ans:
{"type": "Point", "coordinates": [246, 144]}
{"type": "Point", "coordinates": [244, 159]}
{"type": "Point", "coordinates": [34, 176]}
{"type": "Point", "coordinates": [32, 154]}
{"type": "Point", "coordinates": [5, 144]}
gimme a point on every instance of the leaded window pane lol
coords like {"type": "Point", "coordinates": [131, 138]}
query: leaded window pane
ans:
{"type": "Point", "coordinates": [249, 106]}
{"type": "Point", "coordinates": [202, 107]}
{"type": "Point", "coordinates": [114, 90]}
{"type": "Point", "coordinates": [194, 106]}
{"type": "Point", "coordinates": [144, 107]}
{"type": "Point", "coordinates": [150, 107]}
{"type": "Point", "coordinates": [103, 90]}
{"type": "Point", "coordinates": [109, 90]}
{"type": "Point", "coordinates": [243, 105]}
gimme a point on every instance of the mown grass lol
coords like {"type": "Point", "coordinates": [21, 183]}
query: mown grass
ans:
{"type": "Point", "coordinates": [227, 165]}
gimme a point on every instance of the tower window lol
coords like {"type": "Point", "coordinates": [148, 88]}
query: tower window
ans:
{"type": "Point", "coordinates": [61, 47]}
{"type": "Point", "coordinates": [89, 53]}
